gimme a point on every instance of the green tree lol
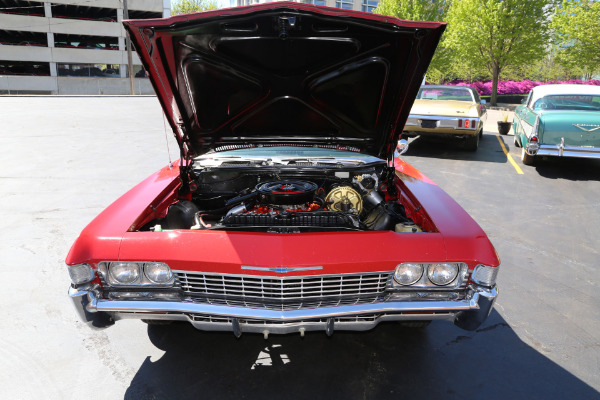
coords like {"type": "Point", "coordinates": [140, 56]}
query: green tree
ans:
{"type": "Point", "coordinates": [498, 33]}
{"type": "Point", "coordinates": [577, 34]}
{"type": "Point", "coordinates": [423, 10]}
{"type": "Point", "coordinates": [414, 10]}
{"type": "Point", "coordinates": [191, 6]}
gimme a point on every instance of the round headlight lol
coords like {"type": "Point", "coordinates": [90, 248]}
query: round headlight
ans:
{"type": "Point", "coordinates": [442, 274]}
{"type": "Point", "coordinates": [125, 273]}
{"type": "Point", "coordinates": [409, 273]}
{"type": "Point", "coordinates": [158, 272]}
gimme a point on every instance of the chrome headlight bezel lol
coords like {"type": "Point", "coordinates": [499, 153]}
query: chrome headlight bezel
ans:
{"type": "Point", "coordinates": [165, 274]}
{"type": "Point", "coordinates": [138, 268]}
{"type": "Point", "coordinates": [122, 268]}
{"type": "Point", "coordinates": [425, 282]}
{"type": "Point", "coordinates": [450, 268]}
{"type": "Point", "coordinates": [403, 270]}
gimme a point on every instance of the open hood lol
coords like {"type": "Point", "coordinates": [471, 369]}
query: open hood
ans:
{"type": "Point", "coordinates": [285, 73]}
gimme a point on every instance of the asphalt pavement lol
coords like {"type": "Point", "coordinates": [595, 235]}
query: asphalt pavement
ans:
{"type": "Point", "coordinates": [64, 159]}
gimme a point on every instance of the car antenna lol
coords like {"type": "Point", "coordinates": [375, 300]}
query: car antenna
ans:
{"type": "Point", "coordinates": [167, 139]}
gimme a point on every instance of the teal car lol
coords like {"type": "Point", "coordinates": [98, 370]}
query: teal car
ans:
{"type": "Point", "coordinates": [559, 121]}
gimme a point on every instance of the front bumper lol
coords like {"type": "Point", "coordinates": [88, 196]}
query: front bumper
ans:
{"type": "Point", "coordinates": [468, 314]}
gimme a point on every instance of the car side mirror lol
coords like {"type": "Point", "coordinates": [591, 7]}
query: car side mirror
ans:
{"type": "Point", "coordinates": [401, 148]}
{"type": "Point", "coordinates": [482, 101]}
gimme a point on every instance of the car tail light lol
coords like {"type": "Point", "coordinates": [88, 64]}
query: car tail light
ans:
{"type": "Point", "coordinates": [460, 123]}
{"type": "Point", "coordinates": [473, 124]}
{"type": "Point", "coordinates": [533, 139]}
{"type": "Point", "coordinates": [467, 123]}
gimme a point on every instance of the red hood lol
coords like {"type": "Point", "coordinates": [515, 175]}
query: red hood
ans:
{"type": "Point", "coordinates": [285, 73]}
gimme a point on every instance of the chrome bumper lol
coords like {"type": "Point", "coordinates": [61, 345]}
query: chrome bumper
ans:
{"type": "Point", "coordinates": [561, 150]}
{"type": "Point", "coordinates": [442, 123]}
{"type": "Point", "coordinates": [468, 314]}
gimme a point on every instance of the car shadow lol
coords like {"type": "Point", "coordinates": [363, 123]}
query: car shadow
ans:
{"type": "Point", "coordinates": [573, 169]}
{"type": "Point", "coordinates": [489, 149]}
{"type": "Point", "coordinates": [440, 362]}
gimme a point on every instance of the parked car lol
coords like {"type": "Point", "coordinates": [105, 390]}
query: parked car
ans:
{"type": "Point", "coordinates": [449, 112]}
{"type": "Point", "coordinates": [558, 121]}
{"type": "Point", "coordinates": [288, 210]}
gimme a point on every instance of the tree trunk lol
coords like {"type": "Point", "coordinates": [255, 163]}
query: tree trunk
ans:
{"type": "Point", "coordinates": [495, 74]}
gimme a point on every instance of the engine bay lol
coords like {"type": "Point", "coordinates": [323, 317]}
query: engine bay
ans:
{"type": "Point", "coordinates": [288, 200]}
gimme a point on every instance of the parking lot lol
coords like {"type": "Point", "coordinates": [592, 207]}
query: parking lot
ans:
{"type": "Point", "coordinates": [64, 159]}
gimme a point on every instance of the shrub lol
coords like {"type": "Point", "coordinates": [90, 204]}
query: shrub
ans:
{"type": "Point", "coordinates": [517, 87]}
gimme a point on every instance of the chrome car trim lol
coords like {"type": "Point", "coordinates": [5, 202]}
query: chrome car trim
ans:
{"type": "Point", "coordinates": [101, 313]}
{"type": "Point", "coordinates": [568, 151]}
{"type": "Point", "coordinates": [536, 126]}
{"type": "Point", "coordinates": [582, 127]}
{"type": "Point", "coordinates": [101, 305]}
{"type": "Point", "coordinates": [561, 147]}
{"type": "Point", "coordinates": [283, 288]}
{"type": "Point", "coordinates": [281, 270]}
{"type": "Point", "coordinates": [442, 121]}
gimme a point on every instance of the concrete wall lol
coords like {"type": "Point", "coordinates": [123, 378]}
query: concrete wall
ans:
{"type": "Point", "coordinates": [100, 86]}
{"type": "Point", "coordinates": [72, 85]}
{"type": "Point", "coordinates": [59, 55]}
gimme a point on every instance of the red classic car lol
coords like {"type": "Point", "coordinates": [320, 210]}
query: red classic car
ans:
{"type": "Point", "coordinates": [289, 209]}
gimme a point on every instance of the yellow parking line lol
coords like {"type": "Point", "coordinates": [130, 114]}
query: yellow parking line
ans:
{"type": "Point", "coordinates": [508, 156]}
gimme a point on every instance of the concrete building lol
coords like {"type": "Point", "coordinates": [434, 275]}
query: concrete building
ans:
{"type": "Point", "coordinates": [70, 46]}
{"type": "Point", "coordinates": [357, 5]}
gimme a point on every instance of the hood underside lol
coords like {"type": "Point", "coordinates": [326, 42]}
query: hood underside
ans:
{"type": "Point", "coordinates": [285, 73]}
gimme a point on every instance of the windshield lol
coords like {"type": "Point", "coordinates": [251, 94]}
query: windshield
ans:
{"type": "Point", "coordinates": [568, 102]}
{"type": "Point", "coordinates": [442, 93]}
{"type": "Point", "coordinates": [283, 155]}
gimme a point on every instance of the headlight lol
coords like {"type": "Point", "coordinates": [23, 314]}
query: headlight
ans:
{"type": "Point", "coordinates": [442, 274]}
{"type": "Point", "coordinates": [408, 273]}
{"type": "Point", "coordinates": [80, 273]}
{"type": "Point", "coordinates": [124, 273]}
{"type": "Point", "coordinates": [484, 275]}
{"type": "Point", "coordinates": [158, 272]}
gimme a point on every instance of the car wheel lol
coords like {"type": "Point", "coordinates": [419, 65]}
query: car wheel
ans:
{"type": "Point", "coordinates": [516, 141]}
{"type": "Point", "coordinates": [415, 324]}
{"type": "Point", "coordinates": [472, 142]}
{"type": "Point", "coordinates": [526, 158]}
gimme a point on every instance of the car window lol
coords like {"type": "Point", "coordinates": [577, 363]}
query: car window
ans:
{"type": "Point", "coordinates": [529, 99]}
{"type": "Point", "coordinates": [568, 102]}
{"type": "Point", "coordinates": [441, 93]}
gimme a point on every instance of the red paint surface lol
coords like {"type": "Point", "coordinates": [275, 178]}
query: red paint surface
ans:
{"type": "Point", "coordinates": [456, 236]}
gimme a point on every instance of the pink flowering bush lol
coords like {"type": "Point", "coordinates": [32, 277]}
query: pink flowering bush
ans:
{"type": "Point", "coordinates": [517, 87]}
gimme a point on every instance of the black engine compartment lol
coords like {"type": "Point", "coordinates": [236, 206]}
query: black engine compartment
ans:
{"type": "Point", "coordinates": [288, 200]}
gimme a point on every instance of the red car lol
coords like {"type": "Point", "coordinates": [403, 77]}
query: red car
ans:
{"type": "Point", "coordinates": [289, 210]}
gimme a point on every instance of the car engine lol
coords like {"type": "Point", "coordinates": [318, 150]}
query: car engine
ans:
{"type": "Point", "coordinates": [286, 201]}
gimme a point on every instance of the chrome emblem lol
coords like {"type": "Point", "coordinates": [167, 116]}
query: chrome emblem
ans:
{"type": "Point", "coordinates": [583, 127]}
{"type": "Point", "coordinates": [281, 270]}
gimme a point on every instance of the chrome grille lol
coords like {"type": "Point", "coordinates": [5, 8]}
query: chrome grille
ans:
{"type": "Point", "coordinates": [285, 293]}
{"type": "Point", "coordinates": [228, 320]}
